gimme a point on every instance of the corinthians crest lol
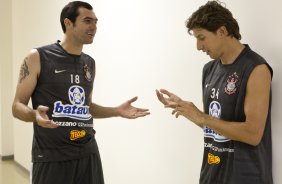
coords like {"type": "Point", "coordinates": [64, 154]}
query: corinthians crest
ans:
{"type": "Point", "coordinates": [87, 73]}
{"type": "Point", "coordinates": [231, 85]}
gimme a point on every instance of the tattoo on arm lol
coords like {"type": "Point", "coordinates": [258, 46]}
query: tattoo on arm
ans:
{"type": "Point", "coordinates": [24, 72]}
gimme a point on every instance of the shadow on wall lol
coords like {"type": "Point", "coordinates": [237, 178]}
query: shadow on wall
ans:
{"type": "Point", "coordinates": [274, 60]}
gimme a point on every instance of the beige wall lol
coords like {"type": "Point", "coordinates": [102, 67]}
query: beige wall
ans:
{"type": "Point", "coordinates": [6, 121]}
{"type": "Point", "coordinates": [141, 46]}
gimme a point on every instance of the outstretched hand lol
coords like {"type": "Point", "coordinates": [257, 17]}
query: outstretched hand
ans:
{"type": "Point", "coordinates": [126, 110]}
{"type": "Point", "coordinates": [42, 119]}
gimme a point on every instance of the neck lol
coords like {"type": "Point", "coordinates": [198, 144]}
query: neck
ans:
{"type": "Point", "coordinates": [70, 46]}
{"type": "Point", "coordinates": [231, 51]}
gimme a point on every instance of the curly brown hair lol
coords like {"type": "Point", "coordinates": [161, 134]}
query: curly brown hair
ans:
{"type": "Point", "coordinates": [212, 16]}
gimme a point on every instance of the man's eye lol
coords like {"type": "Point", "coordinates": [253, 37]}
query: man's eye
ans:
{"type": "Point", "coordinates": [90, 21]}
{"type": "Point", "coordinates": [201, 38]}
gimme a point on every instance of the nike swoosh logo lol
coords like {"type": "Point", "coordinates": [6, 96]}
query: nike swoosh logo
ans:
{"type": "Point", "coordinates": [59, 71]}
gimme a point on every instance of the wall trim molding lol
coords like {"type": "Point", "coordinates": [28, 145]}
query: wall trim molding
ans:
{"type": "Point", "coordinates": [22, 167]}
{"type": "Point", "coordinates": [7, 157]}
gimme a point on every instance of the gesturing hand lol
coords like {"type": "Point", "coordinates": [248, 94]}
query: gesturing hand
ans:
{"type": "Point", "coordinates": [180, 107]}
{"type": "Point", "coordinates": [170, 101]}
{"type": "Point", "coordinates": [126, 110]}
{"type": "Point", "coordinates": [42, 119]}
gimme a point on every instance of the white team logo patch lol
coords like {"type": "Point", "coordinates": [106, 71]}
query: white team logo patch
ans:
{"type": "Point", "coordinates": [77, 95]}
{"type": "Point", "coordinates": [214, 111]}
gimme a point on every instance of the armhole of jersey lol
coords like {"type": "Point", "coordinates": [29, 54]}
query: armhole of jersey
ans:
{"type": "Point", "coordinates": [40, 64]}
{"type": "Point", "coordinates": [94, 69]}
{"type": "Point", "coordinates": [270, 69]}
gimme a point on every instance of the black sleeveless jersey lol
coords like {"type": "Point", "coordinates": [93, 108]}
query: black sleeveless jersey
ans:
{"type": "Point", "coordinates": [226, 161]}
{"type": "Point", "coordinates": [65, 86]}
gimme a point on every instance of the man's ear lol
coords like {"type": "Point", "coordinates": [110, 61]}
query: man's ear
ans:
{"type": "Point", "coordinates": [67, 22]}
{"type": "Point", "coordinates": [222, 31]}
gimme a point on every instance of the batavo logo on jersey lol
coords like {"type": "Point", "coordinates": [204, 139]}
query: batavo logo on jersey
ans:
{"type": "Point", "coordinates": [231, 87]}
{"type": "Point", "coordinates": [76, 134]}
{"type": "Point", "coordinates": [75, 110]}
{"type": "Point", "coordinates": [212, 159]}
{"type": "Point", "coordinates": [214, 135]}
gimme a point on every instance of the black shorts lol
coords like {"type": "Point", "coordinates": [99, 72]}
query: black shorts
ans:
{"type": "Point", "coordinates": [87, 170]}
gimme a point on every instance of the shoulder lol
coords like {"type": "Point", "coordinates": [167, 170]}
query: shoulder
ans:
{"type": "Point", "coordinates": [87, 57]}
{"type": "Point", "coordinates": [31, 62]}
{"type": "Point", "coordinates": [261, 73]}
{"type": "Point", "coordinates": [44, 48]}
{"type": "Point", "coordinates": [33, 56]}
{"type": "Point", "coordinates": [256, 62]}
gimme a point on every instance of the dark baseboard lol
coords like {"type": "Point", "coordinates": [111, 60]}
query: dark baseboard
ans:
{"type": "Point", "coordinates": [8, 157]}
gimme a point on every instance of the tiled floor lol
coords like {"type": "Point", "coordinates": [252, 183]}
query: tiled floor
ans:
{"type": "Point", "coordinates": [11, 173]}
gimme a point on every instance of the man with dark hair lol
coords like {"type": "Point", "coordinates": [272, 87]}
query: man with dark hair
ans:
{"type": "Point", "coordinates": [236, 88]}
{"type": "Point", "coordinates": [59, 79]}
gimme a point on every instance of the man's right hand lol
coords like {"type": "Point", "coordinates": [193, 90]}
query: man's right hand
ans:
{"type": "Point", "coordinates": [42, 118]}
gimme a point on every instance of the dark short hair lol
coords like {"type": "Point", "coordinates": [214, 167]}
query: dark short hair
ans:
{"type": "Point", "coordinates": [70, 11]}
{"type": "Point", "coordinates": [212, 16]}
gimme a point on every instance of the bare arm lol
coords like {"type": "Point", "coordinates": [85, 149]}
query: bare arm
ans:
{"type": "Point", "coordinates": [256, 109]}
{"type": "Point", "coordinates": [98, 111]}
{"type": "Point", "coordinates": [125, 110]}
{"type": "Point", "coordinates": [27, 81]}
{"type": "Point", "coordinates": [29, 73]}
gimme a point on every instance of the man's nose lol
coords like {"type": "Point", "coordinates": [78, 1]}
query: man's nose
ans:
{"type": "Point", "coordinates": [199, 46]}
